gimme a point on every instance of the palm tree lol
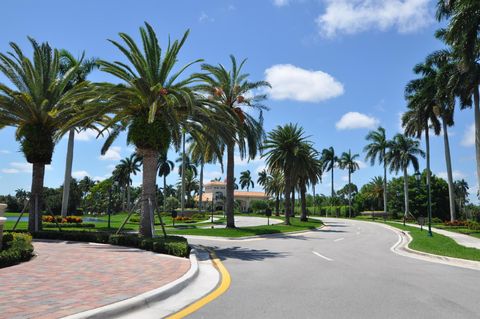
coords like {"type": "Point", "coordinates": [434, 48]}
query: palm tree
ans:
{"type": "Point", "coordinates": [231, 90]}
{"type": "Point", "coordinates": [349, 162]}
{"type": "Point", "coordinates": [165, 167]}
{"type": "Point", "coordinates": [329, 160]}
{"type": "Point", "coordinates": [263, 178]}
{"type": "Point", "coordinates": [188, 165]}
{"type": "Point", "coordinates": [376, 151]}
{"type": "Point", "coordinates": [246, 180]}
{"type": "Point", "coordinates": [131, 165]}
{"type": "Point", "coordinates": [83, 67]}
{"type": "Point", "coordinates": [308, 169]}
{"type": "Point", "coordinates": [203, 151]}
{"type": "Point", "coordinates": [282, 147]}
{"type": "Point", "coordinates": [376, 189]}
{"type": "Point", "coordinates": [462, 34]}
{"type": "Point", "coordinates": [151, 103]}
{"type": "Point", "coordinates": [191, 185]}
{"type": "Point", "coordinates": [461, 192]}
{"type": "Point", "coordinates": [275, 186]}
{"type": "Point", "coordinates": [402, 153]}
{"type": "Point", "coordinates": [39, 107]}
{"type": "Point", "coordinates": [85, 184]}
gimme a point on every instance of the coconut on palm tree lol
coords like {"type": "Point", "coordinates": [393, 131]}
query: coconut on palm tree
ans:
{"type": "Point", "coordinates": [349, 162]}
{"type": "Point", "coordinates": [246, 180]}
{"type": "Point", "coordinates": [231, 90]}
{"type": "Point", "coordinates": [376, 150]}
{"type": "Point", "coordinates": [282, 147]}
{"type": "Point", "coordinates": [403, 152]}
{"type": "Point", "coordinates": [83, 67]}
{"type": "Point", "coordinates": [151, 104]}
{"type": "Point", "coordinates": [39, 107]}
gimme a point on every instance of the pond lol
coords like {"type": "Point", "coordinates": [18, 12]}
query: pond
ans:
{"type": "Point", "coordinates": [14, 218]}
{"type": "Point", "coordinates": [85, 219]}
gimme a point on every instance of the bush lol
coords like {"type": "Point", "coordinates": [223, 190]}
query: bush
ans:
{"type": "Point", "coordinates": [16, 248]}
{"type": "Point", "coordinates": [257, 205]}
{"type": "Point", "coordinates": [456, 223]}
{"type": "Point", "coordinates": [82, 236]}
{"type": "Point", "coordinates": [436, 220]}
{"type": "Point", "coordinates": [199, 216]}
{"type": "Point", "coordinates": [63, 225]}
{"type": "Point", "coordinates": [59, 219]}
{"type": "Point", "coordinates": [473, 226]}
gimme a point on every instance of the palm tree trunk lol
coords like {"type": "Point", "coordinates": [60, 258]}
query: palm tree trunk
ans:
{"type": "Point", "coordinates": [448, 161]}
{"type": "Point", "coordinates": [128, 196]}
{"type": "Point", "coordinates": [405, 190]}
{"type": "Point", "coordinates": [277, 205]}
{"type": "Point", "coordinates": [287, 198]}
{"type": "Point", "coordinates": [384, 187]}
{"type": "Point", "coordinates": [293, 202]}
{"type": "Point", "coordinates": [68, 173]}
{"type": "Point", "coordinates": [476, 98]}
{"type": "Point", "coordinates": [303, 199]}
{"type": "Point", "coordinates": [429, 173]}
{"type": "Point", "coordinates": [333, 191]}
{"type": "Point", "coordinates": [148, 190]}
{"type": "Point", "coordinates": [183, 172]}
{"type": "Point", "coordinates": [164, 193]}
{"type": "Point", "coordinates": [230, 186]}
{"type": "Point", "coordinates": [349, 194]}
{"type": "Point", "coordinates": [36, 198]}
{"type": "Point", "coordinates": [200, 194]}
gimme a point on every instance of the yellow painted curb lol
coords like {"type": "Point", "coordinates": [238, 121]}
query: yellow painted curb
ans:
{"type": "Point", "coordinates": [221, 288]}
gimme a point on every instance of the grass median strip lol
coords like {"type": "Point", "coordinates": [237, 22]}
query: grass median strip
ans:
{"type": "Point", "coordinates": [296, 225]}
{"type": "Point", "coordinates": [437, 244]}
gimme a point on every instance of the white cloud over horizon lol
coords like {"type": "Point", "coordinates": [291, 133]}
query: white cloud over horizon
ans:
{"type": "Point", "coordinates": [80, 174]}
{"type": "Point", "coordinates": [356, 120]}
{"type": "Point", "coordinates": [355, 16]}
{"type": "Point", "coordinates": [113, 154]}
{"type": "Point", "coordinates": [456, 174]}
{"type": "Point", "coordinates": [469, 136]}
{"type": "Point", "coordinates": [290, 82]}
{"type": "Point", "coordinates": [281, 3]}
{"type": "Point", "coordinates": [21, 167]}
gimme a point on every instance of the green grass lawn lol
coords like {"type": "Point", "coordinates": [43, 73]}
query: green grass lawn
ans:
{"type": "Point", "coordinates": [437, 244]}
{"type": "Point", "coordinates": [461, 230]}
{"type": "Point", "coordinates": [296, 225]}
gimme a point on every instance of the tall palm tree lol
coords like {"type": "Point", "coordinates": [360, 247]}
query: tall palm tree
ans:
{"type": "Point", "coordinates": [246, 180]}
{"type": "Point", "coordinates": [349, 162]}
{"type": "Point", "coordinates": [203, 151]}
{"type": "Point", "coordinates": [275, 186]}
{"type": "Point", "coordinates": [263, 178]}
{"type": "Point", "coordinates": [151, 103]}
{"type": "Point", "coordinates": [191, 185]}
{"type": "Point", "coordinates": [461, 192]}
{"type": "Point", "coordinates": [165, 167]}
{"type": "Point", "coordinates": [131, 165]}
{"type": "Point", "coordinates": [39, 106]}
{"type": "Point", "coordinates": [308, 167]}
{"type": "Point", "coordinates": [186, 164]}
{"type": "Point", "coordinates": [83, 67]}
{"type": "Point", "coordinates": [329, 160]}
{"type": "Point", "coordinates": [231, 90]}
{"type": "Point", "coordinates": [462, 34]}
{"type": "Point", "coordinates": [376, 150]}
{"type": "Point", "coordinates": [402, 153]}
{"type": "Point", "coordinates": [376, 189]}
{"type": "Point", "coordinates": [282, 147]}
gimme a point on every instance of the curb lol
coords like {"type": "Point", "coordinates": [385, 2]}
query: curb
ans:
{"type": "Point", "coordinates": [402, 248]}
{"type": "Point", "coordinates": [142, 300]}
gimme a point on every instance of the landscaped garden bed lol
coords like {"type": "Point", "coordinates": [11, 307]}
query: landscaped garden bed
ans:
{"type": "Point", "coordinates": [16, 248]}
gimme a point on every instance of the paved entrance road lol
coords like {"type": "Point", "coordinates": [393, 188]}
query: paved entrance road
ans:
{"type": "Point", "coordinates": [344, 271]}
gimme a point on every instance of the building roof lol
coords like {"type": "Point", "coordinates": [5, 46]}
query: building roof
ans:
{"type": "Point", "coordinates": [215, 183]}
{"type": "Point", "coordinates": [250, 194]}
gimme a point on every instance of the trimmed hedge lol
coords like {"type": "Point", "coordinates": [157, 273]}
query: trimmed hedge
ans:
{"type": "Point", "coordinates": [65, 225]}
{"type": "Point", "coordinates": [16, 248]}
{"type": "Point", "coordinates": [172, 245]}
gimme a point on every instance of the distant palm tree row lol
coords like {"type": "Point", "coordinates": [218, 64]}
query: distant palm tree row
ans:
{"type": "Point", "coordinates": [156, 103]}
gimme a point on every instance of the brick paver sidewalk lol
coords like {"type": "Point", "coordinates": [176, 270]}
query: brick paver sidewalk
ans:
{"type": "Point", "coordinates": [67, 278]}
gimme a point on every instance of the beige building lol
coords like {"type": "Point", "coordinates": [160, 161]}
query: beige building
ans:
{"type": "Point", "coordinates": [216, 192]}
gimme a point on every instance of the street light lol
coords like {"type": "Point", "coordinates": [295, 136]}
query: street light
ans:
{"type": "Point", "coordinates": [418, 177]}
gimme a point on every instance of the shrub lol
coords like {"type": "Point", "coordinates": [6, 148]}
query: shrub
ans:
{"type": "Point", "coordinates": [257, 205]}
{"type": "Point", "coordinates": [16, 247]}
{"type": "Point", "coordinates": [456, 223]}
{"type": "Point", "coordinates": [436, 220]}
{"type": "Point", "coordinates": [199, 216]}
{"type": "Point", "coordinates": [59, 219]}
{"type": "Point", "coordinates": [473, 226]}
{"type": "Point", "coordinates": [63, 225]}
{"type": "Point", "coordinates": [83, 236]}
{"type": "Point", "coordinates": [135, 218]}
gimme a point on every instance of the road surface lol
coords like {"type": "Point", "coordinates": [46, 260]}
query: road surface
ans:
{"type": "Point", "coordinates": [346, 270]}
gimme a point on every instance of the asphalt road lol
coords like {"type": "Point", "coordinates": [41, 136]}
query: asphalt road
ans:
{"type": "Point", "coordinates": [346, 270]}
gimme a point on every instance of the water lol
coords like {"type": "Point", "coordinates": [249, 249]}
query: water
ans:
{"type": "Point", "coordinates": [85, 219]}
{"type": "Point", "coordinates": [14, 218]}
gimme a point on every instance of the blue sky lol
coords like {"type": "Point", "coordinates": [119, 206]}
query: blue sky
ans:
{"type": "Point", "coordinates": [338, 68]}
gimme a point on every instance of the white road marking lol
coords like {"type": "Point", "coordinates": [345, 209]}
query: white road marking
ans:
{"type": "Point", "coordinates": [321, 256]}
{"type": "Point", "coordinates": [338, 239]}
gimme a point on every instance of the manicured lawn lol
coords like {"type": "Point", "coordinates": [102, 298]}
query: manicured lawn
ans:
{"type": "Point", "coordinates": [461, 230]}
{"type": "Point", "coordinates": [297, 225]}
{"type": "Point", "coordinates": [437, 244]}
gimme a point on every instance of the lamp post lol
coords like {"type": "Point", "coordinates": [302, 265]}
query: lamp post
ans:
{"type": "Point", "coordinates": [418, 177]}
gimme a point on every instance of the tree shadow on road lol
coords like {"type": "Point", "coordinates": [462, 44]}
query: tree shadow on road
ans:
{"type": "Point", "coordinates": [247, 254]}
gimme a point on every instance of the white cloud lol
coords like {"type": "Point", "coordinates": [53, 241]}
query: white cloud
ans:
{"type": "Point", "coordinates": [113, 154]}
{"type": "Point", "coordinates": [354, 16]}
{"type": "Point", "coordinates": [18, 167]}
{"type": "Point", "coordinates": [208, 176]}
{"type": "Point", "coordinates": [5, 152]}
{"type": "Point", "coordinates": [455, 175]}
{"type": "Point", "coordinates": [205, 18]}
{"type": "Point", "coordinates": [280, 3]}
{"type": "Point", "coordinates": [244, 162]}
{"type": "Point", "coordinates": [86, 135]}
{"type": "Point", "coordinates": [345, 178]}
{"type": "Point", "coordinates": [293, 83]}
{"type": "Point", "coordinates": [80, 174]}
{"type": "Point", "coordinates": [469, 136]}
{"type": "Point", "coordinates": [361, 164]}
{"type": "Point", "coordinates": [356, 120]}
